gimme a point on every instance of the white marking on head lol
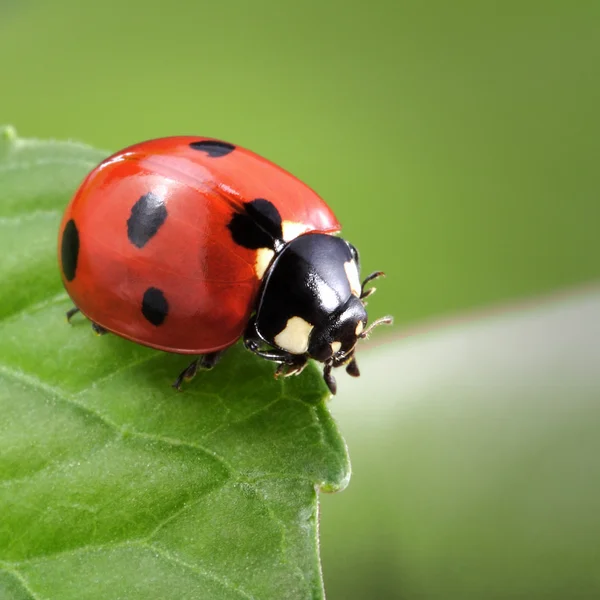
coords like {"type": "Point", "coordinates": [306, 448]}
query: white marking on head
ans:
{"type": "Point", "coordinates": [335, 346]}
{"type": "Point", "coordinates": [263, 258]}
{"type": "Point", "coordinates": [294, 337]}
{"type": "Point", "coordinates": [359, 328]}
{"type": "Point", "coordinates": [352, 275]}
{"type": "Point", "coordinates": [292, 230]}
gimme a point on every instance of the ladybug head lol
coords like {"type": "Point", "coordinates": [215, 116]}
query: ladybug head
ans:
{"type": "Point", "coordinates": [335, 339]}
{"type": "Point", "coordinates": [334, 344]}
{"type": "Point", "coordinates": [312, 305]}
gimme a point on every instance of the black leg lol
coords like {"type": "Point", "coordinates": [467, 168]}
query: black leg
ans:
{"type": "Point", "coordinates": [98, 329]}
{"type": "Point", "coordinates": [329, 379]}
{"type": "Point", "coordinates": [352, 368]}
{"type": "Point", "coordinates": [287, 369]}
{"type": "Point", "coordinates": [289, 364]}
{"type": "Point", "coordinates": [366, 293]}
{"type": "Point", "coordinates": [208, 361]}
{"type": "Point", "coordinates": [204, 362]}
{"type": "Point", "coordinates": [280, 356]}
{"type": "Point", "coordinates": [254, 343]}
{"type": "Point", "coordinates": [71, 312]}
{"type": "Point", "coordinates": [187, 374]}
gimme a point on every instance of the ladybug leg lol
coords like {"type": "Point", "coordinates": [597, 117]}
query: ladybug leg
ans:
{"type": "Point", "coordinates": [69, 314]}
{"type": "Point", "coordinates": [366, 293]}
{"type": "Point", "coordinates": [286, 369]}
{"type": "Point", "coordinates": [252, 340]}
{"type": "Point", "coordinates": [187, 374]}
{"type": "Point", "coordinates": [329, 379]}
{"type": "Point", "coordinates": [352, 368]}
{"type": "Point", "coordinates": [280, 356]}
{"type": "Point", "coordinates": [206, 361]}
{"type": "Point", "coordinates": [98, 329]}
{"type": "Point", "coordinates": [291, 363]}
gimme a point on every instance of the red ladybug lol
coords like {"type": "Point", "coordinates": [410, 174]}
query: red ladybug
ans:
{"type": "Point", "coordinates": [185, 244]}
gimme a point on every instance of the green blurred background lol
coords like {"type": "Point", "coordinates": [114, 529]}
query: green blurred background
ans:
{"type": "Point", "coordinates": [458, 144]}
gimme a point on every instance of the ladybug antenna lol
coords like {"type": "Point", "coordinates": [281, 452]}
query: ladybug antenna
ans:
{"type": "Point", "coordinates": [366, 293]}
{"type": "Point", "coordinates": [383, 321]}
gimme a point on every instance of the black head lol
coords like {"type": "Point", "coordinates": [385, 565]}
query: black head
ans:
{"type": "Point", "coordinates": [335, 342]}
{"type": "Point", "coordinates": [312, 305]}
{"type": "Point", "coordinates": [334, 339]}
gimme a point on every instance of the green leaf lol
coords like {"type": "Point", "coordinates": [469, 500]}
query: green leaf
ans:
{"type": "Point", "coordinates": [111, 483]}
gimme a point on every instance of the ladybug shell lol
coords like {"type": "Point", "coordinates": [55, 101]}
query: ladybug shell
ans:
{"type": "Point", "coordinates": [160, 246]}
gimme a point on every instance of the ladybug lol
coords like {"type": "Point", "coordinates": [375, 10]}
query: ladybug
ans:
{"type": "Point", "coordinates": [186, 244]}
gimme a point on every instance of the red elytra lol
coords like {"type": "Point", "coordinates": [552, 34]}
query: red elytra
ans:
{"type": "Point", "coordinates": [185, 190]}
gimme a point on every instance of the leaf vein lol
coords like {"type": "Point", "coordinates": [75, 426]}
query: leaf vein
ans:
{"type": "Point", "coordinates": [21, 579]}
{"type": "Point", "coordinates": [10, 481]}
{"type": "Point", "coordinates": [57, 393]}
{"type": "Point", "coordinates": [243, 419]}
{"type": "Point", "coordinates": [41, 304]}
{"type": "Point", "coordinates": [122, 369]}
{"type": "Point", "coordinates": [134, 543]}
{"type": "Point", "coordinates": [218, 579]}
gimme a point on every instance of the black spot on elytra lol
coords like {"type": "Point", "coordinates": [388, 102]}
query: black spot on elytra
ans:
{"type": "Point", "coordinates": [259, 226]}
{"type": "Point", "coordinates": [155, 306]}
{"type": "Point", "coordinates": [69, 251]}
{"type": "Point", "coordinates": [147, 216]}
{"type": "Point", "coordinates": [214, 148]}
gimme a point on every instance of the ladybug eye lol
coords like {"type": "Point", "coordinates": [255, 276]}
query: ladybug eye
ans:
{"type": "Point", "coordinates": [355, 255]}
